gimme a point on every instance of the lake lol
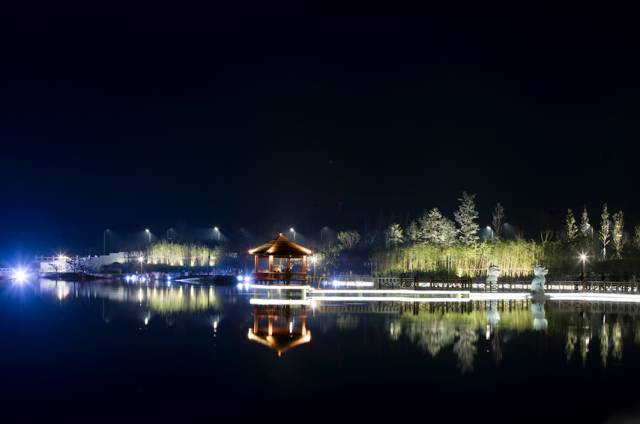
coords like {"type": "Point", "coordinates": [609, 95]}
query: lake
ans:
{"type": "Point", "coordinates": [166, 351]}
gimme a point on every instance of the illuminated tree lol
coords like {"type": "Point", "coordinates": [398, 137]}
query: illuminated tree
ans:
{"type": "Point", "coordinates": [434, 228]}
{"type": "Point", "coordinates": [348, 239]}
{"type": "Point", "coordinates": [412, 232]}
{"type": "Point", "coordinates": [605, 230]}
{"type": "Point", "coordinates": [585, 227]}
{"type": "Point", "coordinates": [394, 235]}
{"type": "Point", "coordinates": [572, 228]}
{"type": "Point", "coordinates": [497, 219]}
{"type": "Point", "coordinates": [636, 237]}
{"type": "Point", "coordinates": [617, 235]}
{"type": "Point", "coordinates": [466, 217]}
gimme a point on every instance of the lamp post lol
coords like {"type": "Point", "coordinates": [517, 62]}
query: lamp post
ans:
{"type": "Point", "coordinates": [314, 260]}
{"type": "Point", "coordinates": [583, 258]}
{"type": "Point", "coordinates": [216, 230]}
{"type": "Point", "coordinates": [104, 241]}
{"type": "Point", "coordinates": [146, 230]}
{"type": "Point", "coordinates": [491, 230]}
{"type": "Point", "coordinates": [294, 233]}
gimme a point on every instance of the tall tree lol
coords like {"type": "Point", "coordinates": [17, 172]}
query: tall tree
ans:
{"type": "Point", "coordinates": [585, 227]}
{"type": "Point", "coordinates": [617, 235]}
{"type": "Point", "coordinates": [394, 235]}
{"type": "Point", "coordinates": [497, 219]}
{"type": "Point", "coordinates": [412, 232]}
{"type": "Point", "coordinates": [466, 217]}
{"type": "Point", "coordinates": [434, 228]}
{"type": "Point", "coordinates": [348, 239]}
{"type": "Point", "coordinates": [636, 237]}
{"type": "Point", "coordinates": [605, 230]}
{"type": "Point", "coordinates": [572, 228]}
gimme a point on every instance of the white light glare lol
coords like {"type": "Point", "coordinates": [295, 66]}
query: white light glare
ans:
{"type": "Point", "coordinates": [19, 275]}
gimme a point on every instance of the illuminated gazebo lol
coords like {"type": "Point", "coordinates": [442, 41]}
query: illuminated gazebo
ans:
{"type": "Point", "coordinates": [287, 261]}
{"type": "Point", "coordinates": [286, 327]}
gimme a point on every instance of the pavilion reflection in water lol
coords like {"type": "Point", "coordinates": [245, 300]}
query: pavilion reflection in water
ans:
{"type": "Point", "coordinates": [279, 327]}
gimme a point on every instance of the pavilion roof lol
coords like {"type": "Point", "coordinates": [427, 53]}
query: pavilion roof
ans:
{"type": "Point", "coordinates": [281, 247]}
{"type": "Point", "coordinates": [280, 342]}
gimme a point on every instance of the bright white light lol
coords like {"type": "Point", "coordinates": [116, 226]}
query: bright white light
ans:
{"type": "Point", "coordinates": [292, 230]}
{"type": "Point", "coordinates": [20, 275]}
{"type": "Point", "coordinates": [215, 229]}
{"type": "Point", "coordinates": [146, 230]}
{"type": "Point", "coordinates": [141, 259]}
{"type": "Point", "coordinates": [583, 257]}
{"type": "Point", "coordinates": [146, 320]}
{"type": "Point", "coordinates": [215, 325]}
{"type": "Point", "coordinates": [240, 277]}
{"type": "Point", "coordinates": [337, 283]}
{"type": "Point", "coordinates": [62, 257]}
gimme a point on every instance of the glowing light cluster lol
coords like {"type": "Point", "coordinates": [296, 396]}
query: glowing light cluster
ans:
{"type": "Point", "coordinates": [19, 275]}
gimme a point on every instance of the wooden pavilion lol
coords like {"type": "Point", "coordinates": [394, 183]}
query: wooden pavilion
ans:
{"type": "Point", "coordinates": [287, 261]}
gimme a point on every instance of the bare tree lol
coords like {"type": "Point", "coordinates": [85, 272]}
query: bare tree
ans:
{"type": "Point", "coordinates": [497, 219]}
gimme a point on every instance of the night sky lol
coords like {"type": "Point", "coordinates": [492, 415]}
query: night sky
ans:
{"type": "Point", "coordinates": [265, 117]}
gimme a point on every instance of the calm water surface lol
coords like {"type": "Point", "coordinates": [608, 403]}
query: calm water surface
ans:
{"type": "Point", "coordinates": [111, 351]}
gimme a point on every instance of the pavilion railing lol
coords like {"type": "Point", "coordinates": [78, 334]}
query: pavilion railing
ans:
{"type": "Point", "coordinates": [280, 276]}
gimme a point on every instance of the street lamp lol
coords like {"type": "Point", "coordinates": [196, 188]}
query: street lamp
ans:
{"type": "Point", "coordinates": [583, 258]}
{"type": "Point", "coordinates": [314, 261]}
{"type": "Point", "coordinates": [104, 241]}
{"type": "Point", "coordinates": [294, 233]}
{"type": "Point", "coordinates": [490, 230]}
{"type": "Point", "coordinates": [146, 230]}
{"type": "Point", "coordinates": [216, 230]}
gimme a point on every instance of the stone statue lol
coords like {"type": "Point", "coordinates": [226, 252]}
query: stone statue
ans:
{"type": "Point", "coordinates": [539, 272]}
{"type": "Point", "coordinates": [492, 278]}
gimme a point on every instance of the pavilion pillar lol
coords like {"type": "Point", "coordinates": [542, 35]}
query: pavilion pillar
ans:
{"type": "Point", "coordinates": [304, 264]}
{"type": "Point", "coordinates": [289, 264]}
{"type": "Point", "coordinates": [256, 260]}
{"type": "Point", "coordinates": [270, 263]}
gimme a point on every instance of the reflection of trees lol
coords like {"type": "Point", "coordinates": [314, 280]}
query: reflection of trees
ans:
{"type": "Point", "coordinates": [347, 322]}
{"type": "Point", "coordinates": [604, 342]}
{"type": "Point", "coordinates": [433, 336]}
{"type": "Point", "coordinates": [465, 348]}
{"type": "Point", "coordinates": [616, 335]}
{"type": "Point", "coordinates": [572, 339]}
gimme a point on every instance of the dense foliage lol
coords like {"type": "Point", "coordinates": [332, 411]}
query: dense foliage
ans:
{"type": "Point", "coordinates": [515, 258]}
{"type": "Point", "coordinates": [176, 254]}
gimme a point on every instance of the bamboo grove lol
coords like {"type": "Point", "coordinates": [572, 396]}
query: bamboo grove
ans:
{"type": "Point", "coordinates": [176, 254]}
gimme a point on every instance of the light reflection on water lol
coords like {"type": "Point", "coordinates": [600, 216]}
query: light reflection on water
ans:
{"type": "Point", "coordinates": [211, 343]}
{"type": "Point", "coordinates": [432, 328]}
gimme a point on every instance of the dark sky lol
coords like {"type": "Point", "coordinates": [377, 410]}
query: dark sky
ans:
{"type": "Point", "coordinates": [269, 115]}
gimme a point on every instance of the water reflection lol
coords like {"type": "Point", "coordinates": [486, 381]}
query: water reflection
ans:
{"type": "Point", "coordinates": [161, 298]}
{"type": "Point", "coordinates": [279, 327]}
{"type": "Point", "coordinates": [578, 333]}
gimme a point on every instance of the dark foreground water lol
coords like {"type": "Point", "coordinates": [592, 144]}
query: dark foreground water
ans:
{"type": "Point", "coordinates": [100, 351]}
